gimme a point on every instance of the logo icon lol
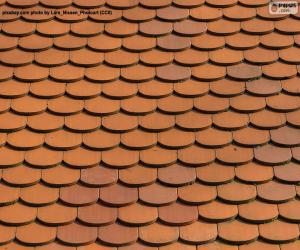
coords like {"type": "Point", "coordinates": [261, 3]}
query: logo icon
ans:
{"type": "Point", "coordinates": [283, 7]}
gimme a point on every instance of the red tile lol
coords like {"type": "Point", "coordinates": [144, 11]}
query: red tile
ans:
{"type": "Point", "coordinates": [97, 215]}
{"type": "Point", "coordinates": [272, 155]}
{"type": "Point", "coordinates": [100, 139]}
{"type": "Point", "coordinates": [217, 27]}
{"type": "Point", "coordinates": [60, 176]}
{"type": "Point", "coordinates": [206, 13]}
{"type": "Point", "coordinates": [189, 28]}
{"type": "Point", "coordinates": [216, 211]}
{"type": "Point", "coordinates": [158, 234]}
{"type": "Point", "coordinates": [120, 122]}
{"type": "Point", "coordinates": [208, 72]}
{"type": "Point", "coordinates": [193, 121]}
{"type": "Point", "coordinates": [172, 13]}
{"type": "Point", "coordinates": [43, 157]}
{"type": "Point", "coordinates": [138, 14]}
{"type": "Point", "coordinates": [233, 155]}
{"type": "Point", "coordinates": [251, 137]}
{"type": "Point", "coordinates": [138, 176]}
{"type": "Point", "coordinates": [98, 176]}
{"type": "Point", "coordinates": [275, 192]}
{"type": "Point", "coordinates": [138, 214]}
{"type": "Point", "coordinates": [196, 156]}
{"type": "Point", "coordinates": [156, 57]}
{"type": "Point", "coordinates": [155, 4]}
{"type": "Point", "coordinates": [208, 42]}
{"type": "Point", "coordinates": [138, 139]}
{"type": "Point", "coordinates": [120, 158]}
{"type": "Point", "coordinates": [283, 103]}
{"type": "Point", "coordinates": [257, 26]}
{"type": "Point", "coordinates": [215, 174]}
{"type": "Point", "coordinates": [175, 138]}
{"type": "Point", "coordinates": [229, 231]}
{"type": "Point", "coordinates": [65, 105]}
{"type": "Point", "coordinates": [279, 232]}
{"type": "Point", "coordinates": [117, 235]}
{"type": "Point", "coordinates": [211, 104]}
{"type": "Point", "coordinates": [14, 28]}
{"type": "Point", "coordinates": [47, 89]}
{"type": "Point", "coordinates": [236, 192]}
{"type": "Point", "coordinates": [21, 175]}
{"type": "Point", "coordinates": [230, 120]}
{"type": "Point", "coordinates": [191, 235]}
{"type": "Point", "coordinates": [118, 195]}
{"type": "Point", "coordinates": [28, 105]}
{"type": "Point", "coordinates": [25, 140]}
{"type": "Point", "coordinates": [155, 28]}
{"type": "Point", "coordinates": [139, 43]}
{"type": "Point", "coordinates": [266, 119]}
{"type": "Point", "coordinates": [78, 195]}
{"type": "Point", "coordinates": [262, 173]}
{"type": "Point", "coordinates": [17, 214]}
{"type": "Point", "coordinates": [157, 156]}
{"type": "Point", "coordinates": [74, 122]}
{"type": "Point", "coordinates": [35, 234]}
{"type": "Point", "coordinates": [81, 158]}
{"type": "Point", "coordinates": [197, 193]}
{"type": "Point", "coordinates": [10, 157]}
{"type": "Point", "coordinates": [263, 87]}
{"type": "Point", "coordinates": [178, 214]}
{"type": "Point", "coordinates": [157, 194]}
{"type": "Point", "coordinates": [213, 138]}
{"type": "Point", "coordinates": [39, 195]}
{"type": "Point", "coordinates": [63, 140]}
{"type": "Point", "coordinates": [76, 234]}
{"type": "Point", "coordinates": [287, 173]}
{"type": "Point", "coordinates": [258, 212]}
{"type": "Point", "coordinates": [242, 41]}
{"type": "Point", "coordinates": [45, 122]}
{"type": "Point", "coordinates": [57, 214]}
{"type": "Point", "coordinates": [157, 122]}
{"type": "Point", "coordinates": [276, 41]}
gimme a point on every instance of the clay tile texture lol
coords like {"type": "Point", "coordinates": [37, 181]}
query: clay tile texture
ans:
{"type": "Point", "coordinates": [149, 125]}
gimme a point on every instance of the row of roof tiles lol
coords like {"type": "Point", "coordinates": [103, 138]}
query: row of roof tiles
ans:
{"type": "Point", "coordinates": [129, 4]}
{"type": "Point", "coordinates": [214, 174]}
{"type": "Point", "coordinates": [151, 89]}
{"type": "Point", "coordinates": [154, 234]}
{"type": "Point", "coordinates": [121, 58]}
{"type": "Point", "coordinates": [153, 194]}
{"type": "Point", "coordinates": [154, 28]}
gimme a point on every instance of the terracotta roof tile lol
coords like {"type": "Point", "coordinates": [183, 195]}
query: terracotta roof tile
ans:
{"type": "Point", "coordinates": [145, 125]}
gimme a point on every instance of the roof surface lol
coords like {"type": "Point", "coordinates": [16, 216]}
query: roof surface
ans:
{"type": "Point", "coordinates": [155, 124]}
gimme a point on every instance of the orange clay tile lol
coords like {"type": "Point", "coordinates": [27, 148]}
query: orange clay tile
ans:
{"type": "Point", "coordinates": [63, 140]}
{"type": "Point", "coordinates": [197, 194]}
{"type": "Point", "coordinates": [21, 176]}
{"type": "Point", "coordinates": [271, 233]}
{"type": "Point", "coordinates": [50, 157]}
{"type": "Point", "coordinates": [83, 235]}
{"type": "Point", "coordinates": [104, 43]}
{"type": "Point", "coordinates": [287, 173]}
{"type": "Point", "coordinates": [120, 158]}
{"type": "Point", "coordinates": [138, 14]}
{"type": "Point", "coordinates": [177, 214]}
{"type": "Point", "coordinates": [191, 57]}
{"type": "Point", "coordinates": [81, 158]}
{"type": "Point", "coordinates": [257, 26]}
{"type": "Point", "coordinates": [196, 156]}
{"type": "Point", "coordinates": [251, 136]}
{"type": "Point", "coordinates": [211, 104]}
{"type": "Point", "coordinates": [190, 233]}
{"type": "Point", "coordinates": [138, 43]}
{"type": "Point", "coordinates": [172, 13]}
{"type": "Point", "coordinates": [35, 234]}
{"type": "Point", "coordinates": [60, 176]}
{"type": "Point", "coordinates": [247, 103]}
{"type": "Point", "coordinates": [32, 43]}
{"type": "Point", "coordinates": [25, 139]}
{"type": "Point", "coordinates": [276, 40]}
{"type": "Point", "coordinates": [51, 57]}
{"type": "Point", "coordinates": [285, 136]}
{"type": "Point", "coordinates": [157, 156]}
{"type": "Point", "coordinates": [138, 139]}
{"type": "Point", "coordinates": [11, 122]}
{"type": "Point", "coordinates": [157, 194]}
{"type": "Point", "coordinates": [258, 212]}
{"type": "Point", "coordinates": [242, 41]}
{"type": "Point", "coordinates": [78, 195]}
{"type": "Point", "coordinates": [217, 27]}
{"type": "Point", "coordinates": [208, 72]}
{"type": "Point", "coordinates": [97, 214]}
{"type": "Point", "coordinates": [272, 155]}
{"type": "Point", "coordinates": [158, 234]}
{"type": "Point", "coordinates": [138, 214]}
{"type": "Point", "coordinates": [118, 195]}
{"type": "Point", "coordinates": [17, 214]}
{"type": "Point", "coordinates": [156, 57]}
{"type": "Point", "coordinates": [138, 176]}
{"type": "Point", "coordinates": [216, 211]}
{"type": "Point", "coordinates": [263, 87]}
{"type": "Point", "coordinates": [228, 231]}
{"type": "Point", "coordinates": [263, 173]}
{"type": "Point", "coordinates": [16, 57]}
{"type": "Point", "coordinates": [155, 28]}
{"type": "Point", "coordinates": [261, 56]}
{"type": "Point", "coordinates": [215, 173]}
{"type": "Point", "coordinates": [167, 175]}
{"type": "Point", "coordinates": [267, 119]}
{"type": "Point", "coordinates": [193, 121]}
{"type": "Point", "coordinates": [157, 122]}
{"type": "Point", "coordinates": [65, 105]}
{"type": "Point", "coordinates": [47, 89]}
{"type": "Point", "coordinates": [10, 157]}
{"type": "Point", "coordinates": [205, 13]}
{"type": "Point", "coordinates": [208, 42]}
{"type": "Point", "coordinates": [117, 235]}
{"type": "Point", "coordinates": [191, 88]}
{"type": "Point", "coordinates": [74, 122]}
{"type": "Point", "coordinates": [98, 176]}
{"type": "Point", "coordinates": [56, 214]}
{"type": "Point", "coordinates": [213, 138]}
{"type": "Point", "coordinates": [44, 122]}
{"type": "Point", "coordinates": [290, 85]}
{"type": "Point", "coordinates": [70, 42]}
{"type": "Point", "coordinates": [275, 192]}
{"type": "Point", "coordinates": [19, 89]}
{"type": "Point", "coordinates": [225, 56]}
{"type": "Point", "coordinates": [39, 195]}
{"type": "Point", "coordinates": [138, 73]}
{"type": "Point", "coordinates": [100, 140]}
{"type": "Point", "coordinates": [289, 210]}
{"type": "Point", "coordinates": [52, 28]}
{"type": "Point", "coordinates": [14, 28]}
{"type": "Point", "coordinates": [173, 43]}
{"type": "Point", "coordinates": [83, 89]}
{"type": "Point", "coordinates": [230, 120]}
{"type": "Point", "coordinates": [280, 103]}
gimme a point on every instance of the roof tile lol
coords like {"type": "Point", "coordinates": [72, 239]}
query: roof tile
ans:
{"type": "Point", "coordinates": [17, 214]}
{"type": "Point", "coordinates": [98, 176]}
